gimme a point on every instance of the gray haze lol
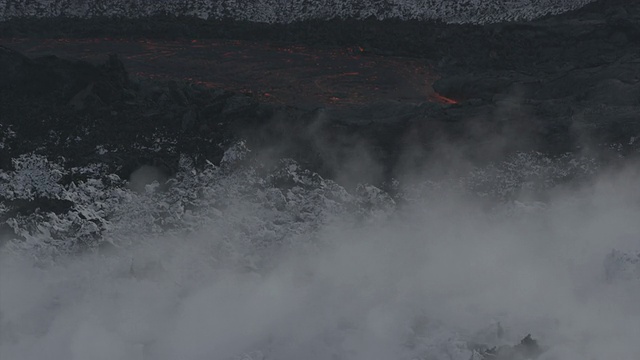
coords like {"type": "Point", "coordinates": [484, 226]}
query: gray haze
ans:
{"type": "Point", "coordinates": [423, 281]}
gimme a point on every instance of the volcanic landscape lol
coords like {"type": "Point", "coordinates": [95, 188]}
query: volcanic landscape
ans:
{"type": "Point", "coordinates": [341, 187]}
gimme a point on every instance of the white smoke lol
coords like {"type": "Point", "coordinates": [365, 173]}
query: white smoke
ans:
{"type": "Point", "coordinates": [310, 271]}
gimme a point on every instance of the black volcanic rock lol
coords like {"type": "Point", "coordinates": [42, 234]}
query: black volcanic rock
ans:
{"type": "Point", "coordinates": [555, 85]}
{"type": "Point", "coordinates": [93, 113]}
{"type": "Point", "coordinates": [10, 62]}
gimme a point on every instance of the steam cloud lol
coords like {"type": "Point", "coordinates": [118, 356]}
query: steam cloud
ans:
{"type": "Point", "coordinates": [446, 269]}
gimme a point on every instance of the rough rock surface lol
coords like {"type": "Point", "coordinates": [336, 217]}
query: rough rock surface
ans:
{"type": "Point", "coordinates": [564, 84]}
{"type": "Point", "coordinates": [272, 11]}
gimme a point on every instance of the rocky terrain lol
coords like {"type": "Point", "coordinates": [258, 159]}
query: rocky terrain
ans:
{"type": "Point", "coordinates": [562, 86]}
{"type": "Point", "coordinates": [278, 11]}
{"type": "Point", "coordinates": [570, 83]}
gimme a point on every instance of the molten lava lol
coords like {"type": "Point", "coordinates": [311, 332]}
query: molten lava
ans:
{"type": "Point", "coordinates": [442, 99]}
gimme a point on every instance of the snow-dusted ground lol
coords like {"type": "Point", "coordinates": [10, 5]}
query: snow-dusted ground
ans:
{"type": "Point", "coordinates": [242, 262]}
{"type": "Point", "coordinates": [456, 11]}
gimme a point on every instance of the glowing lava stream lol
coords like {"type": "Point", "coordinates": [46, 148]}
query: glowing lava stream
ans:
{"type": "Point", "coordinates": [441, 99]}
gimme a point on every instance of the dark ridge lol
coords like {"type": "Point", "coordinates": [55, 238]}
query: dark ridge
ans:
{"type": "Point", "coordinates": [425, 39]}
{"type": "Point", "coordinates": [593, 8]}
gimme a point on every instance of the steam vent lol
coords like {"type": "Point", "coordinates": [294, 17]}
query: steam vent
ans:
{"type": "Point", "coordinates": [319, 179]}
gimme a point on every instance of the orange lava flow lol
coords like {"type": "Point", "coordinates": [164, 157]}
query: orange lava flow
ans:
{"type": "Point", "coordinates": [442, 99]}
